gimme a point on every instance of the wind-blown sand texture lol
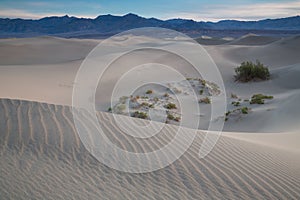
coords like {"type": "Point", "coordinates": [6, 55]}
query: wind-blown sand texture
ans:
{"type": "Point", "coordinates": [41, 156]}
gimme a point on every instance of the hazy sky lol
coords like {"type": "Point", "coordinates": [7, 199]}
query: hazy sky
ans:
{"type": "Point", "coordinates": [199, 10]}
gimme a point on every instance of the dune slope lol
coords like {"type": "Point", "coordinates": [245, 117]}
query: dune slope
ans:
{"type": "Point", "coordinates": [41, 157]}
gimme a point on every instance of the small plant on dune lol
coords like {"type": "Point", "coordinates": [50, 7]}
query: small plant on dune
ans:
{"type": "Point", "coordinates": [227, 113]}
{"type": "Point", "coordinates": [166, 95]}
{"type": "Point", "coordinates": [236, 112]}
{"type": "Point", "coordinates": [145, 104]}
{"type": "Point", "coordinates": [245, 110]}
{"type": "Point", "coordinates": [249, 71]}
{"type": "Point", "coordinates": [141, 115]}
{"type": "Point", "coordinates": [201, 92]}
{"type": "Point", "coordinates": [170, 106]}
{"type": "Point", "coordinates": [259, 98]}
{"type": "Point", "coordinates": [203, 82]}
{"type": "Point", "coordinates": [109, 109]}
{"type": "Point", "coordinates": [170, 116]}
{"type": "Point", "coordinates": [234, 96]}
{"type": "Point", "coordinates": [149, 91]}
{"type": "Point", "coordinates": [205, 100]}
{"type": "Point", "coordinates": [236, 103]}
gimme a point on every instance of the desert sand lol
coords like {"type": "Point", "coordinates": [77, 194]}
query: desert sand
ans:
{"type": "Point", "coordinates": [42, 157]}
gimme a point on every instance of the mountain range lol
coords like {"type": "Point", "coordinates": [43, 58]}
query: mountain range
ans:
{"type": "Point", "coordinates": [106, 25]}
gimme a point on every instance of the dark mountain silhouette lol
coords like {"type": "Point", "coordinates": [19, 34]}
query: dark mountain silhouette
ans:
{"type": "Point", "coordinates": [105, 25]}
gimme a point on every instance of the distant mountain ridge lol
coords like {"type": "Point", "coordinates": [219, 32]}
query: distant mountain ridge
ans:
{"type": "Point", "coordinates": [110, 24]}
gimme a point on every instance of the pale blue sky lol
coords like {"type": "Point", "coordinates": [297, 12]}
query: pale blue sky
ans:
{"type": "Point", "coordinates": [199, 10]}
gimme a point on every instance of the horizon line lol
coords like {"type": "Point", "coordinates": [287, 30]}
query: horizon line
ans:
{"type": "Point", "coordinates": [120, 15]}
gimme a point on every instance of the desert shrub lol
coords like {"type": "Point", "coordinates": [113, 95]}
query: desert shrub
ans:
{"type": "Point", "coordinates": [259, 98]}
{"type": "Point", "coordinates": [249, 71]}
{"type": "Point", "coordinates": [245, 110]}
{"type": "Point", "coordinates": [201, 92]}
{"type": "Point", "coordinates": [234, 96]}
{"type": "Point", "coordinates": [109, 109]}
{"type": "Point", "coordinates": [170, 106]}
{"type": "Point", "coordinates": [141, 115]}
{"type": "Point", "coordinates": [170, 116]}
{"type": "Point", "coordinates": [236, 103]}
{"type": "Point", "coordinates": [227, 113]}
{"type": "Point", "coordinates": [145, 104]}
{"type": "Point", "coordinates": [203, 82]}
{"type": "Point", "coordinates": [149, 91]}
{"type": "Point", "coordinates": [205, 100]}
{"type": "Point", "coordinates": [166, 95]}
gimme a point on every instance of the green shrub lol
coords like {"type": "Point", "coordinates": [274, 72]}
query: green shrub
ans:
{"type": "Point", "coordinates": [149, 91]}
{"type": "Point", "coordinates": [236, 103]}
{"type": "Point", "coordinates": [228, 113]}
{"type": "Point", "coordinates": [205, 100]}
{"type": "Point", "coordinates": [170, 106]}
{"type": "Point", "coordinates": [203, 82]}
{"type": "Point", "coordinates": [170, 117]}
{"type": "Point", "coordinates": [245, 110]}
{"type": "Point", "coordinates": [109, 109]}
{"type": "Point", "coordinates": [259, 98]}
{"type": "Point", "coordinates": [201, 92]}
{"type": "Point", "coordinates": [249, 71]}
{"type": "Point", "coordinates": [141, 115]}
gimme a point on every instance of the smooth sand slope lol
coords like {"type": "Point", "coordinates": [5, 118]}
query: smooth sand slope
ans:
{"type": "Point", "coordinates": [42, 158]}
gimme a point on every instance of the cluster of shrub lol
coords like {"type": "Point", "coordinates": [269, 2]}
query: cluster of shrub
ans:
{"type": "Point", "coordinates": [249, 71]}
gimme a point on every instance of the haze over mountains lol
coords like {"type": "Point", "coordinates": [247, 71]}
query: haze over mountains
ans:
{"type": "Point", "coordinates": [106, 25]}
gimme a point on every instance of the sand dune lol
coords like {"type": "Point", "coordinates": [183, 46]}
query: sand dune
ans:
{"type": "Point", "coordinates": [46, 74]}
{"type": "Point", "coordinates": [42, 158]}
{"type": "Point", "coordinates": [252, 39]}
{"type": "Point", "coordinates": [43, 50]}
